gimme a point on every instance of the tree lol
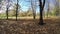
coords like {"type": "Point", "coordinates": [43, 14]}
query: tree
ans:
{"type": "Point", "coordinates": [57, 7]}
{"type": "Point", "coordinates": [48, 8]}
{"type": "Point", "coordinates": [14, 9]}
{"type": "Point", "coordinates": [33, 6]}
{"type": "Point", "coordinates": [17, 10]}
{"type": "Point", "coordinates": [0, 3]}
{"type": "Point", "coordinates": [7, 13]}
{"type": "Point", "coordinates": [29, 12]}
{"type": "Point", "coordinates": [7, 7]}
{"type": "Point", "coordinates": [41, 6]}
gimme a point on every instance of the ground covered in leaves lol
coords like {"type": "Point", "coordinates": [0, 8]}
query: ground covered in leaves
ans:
{"type": "Point", "coordinates": [29, 26]}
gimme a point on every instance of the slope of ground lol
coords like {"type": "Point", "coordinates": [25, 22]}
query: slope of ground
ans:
{"type": "Point", "coordinates": [29, 26]}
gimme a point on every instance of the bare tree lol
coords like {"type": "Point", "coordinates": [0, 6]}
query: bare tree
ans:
{"type": "Point", "coordinates": [57, 7]}
{"type": "Point", "coordinates": [7, 7]}
{"type": "Point", "coordinates": [0, 4]}
{"type": "Point", "coordinates": [8, 2]}
{"type": "Point", "coordinates": [16, 10]}
{"type": "Point", "coordinates": [33, 6]}
{"type": "Point", "coordinates": [41, 6]}
{"type": "Point", "coordinates": [48, 8]}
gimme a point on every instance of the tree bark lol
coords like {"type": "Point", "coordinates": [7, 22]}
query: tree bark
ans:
{"type": "Point", "coordinates": [7, 13]}
{"type": "Point", "coordinates": [33, 8]}
{"type": "Point", "coordinates": [16, 10]}
{"type": "Point", "coordinates": [41, 6]}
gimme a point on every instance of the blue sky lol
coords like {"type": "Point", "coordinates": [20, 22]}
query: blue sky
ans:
{"type": "Point", "coordinates": [25, 4]}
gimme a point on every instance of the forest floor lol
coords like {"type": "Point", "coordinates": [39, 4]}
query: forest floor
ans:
{"type": "Point", "coordinates": [30, 26]}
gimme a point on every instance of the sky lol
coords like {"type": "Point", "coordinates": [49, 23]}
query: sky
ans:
{"type": "Point", "coordinates": [25, 4]}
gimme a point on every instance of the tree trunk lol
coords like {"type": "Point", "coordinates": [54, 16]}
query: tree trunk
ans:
{"type": "Point", "coordinates": [16, 10]}
{"type": "Point", "coordinates": [41, 6]}
{"type": "Point", "coordinates": [33, 9]}
{"type": "Point", "coordinates": [7, 13]}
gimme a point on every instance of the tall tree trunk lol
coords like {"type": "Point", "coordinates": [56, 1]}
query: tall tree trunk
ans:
{"type": "Point", "coordinates": [48, 10]}
{"type": "Point", "coordinates": [33, 9]}
{"type": "Point", "coordinates": [41, 6]}
{"type": "Point", "coordinates": [16, 10]}
{"type": "Point", "coordinates": [7, 7]}
{"type": "Point", "coordinates": [57, 7]}
{"type": "Point", "coordinates": [7, 13]}
{"type": "Point", "coordinates": [44, 14]}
